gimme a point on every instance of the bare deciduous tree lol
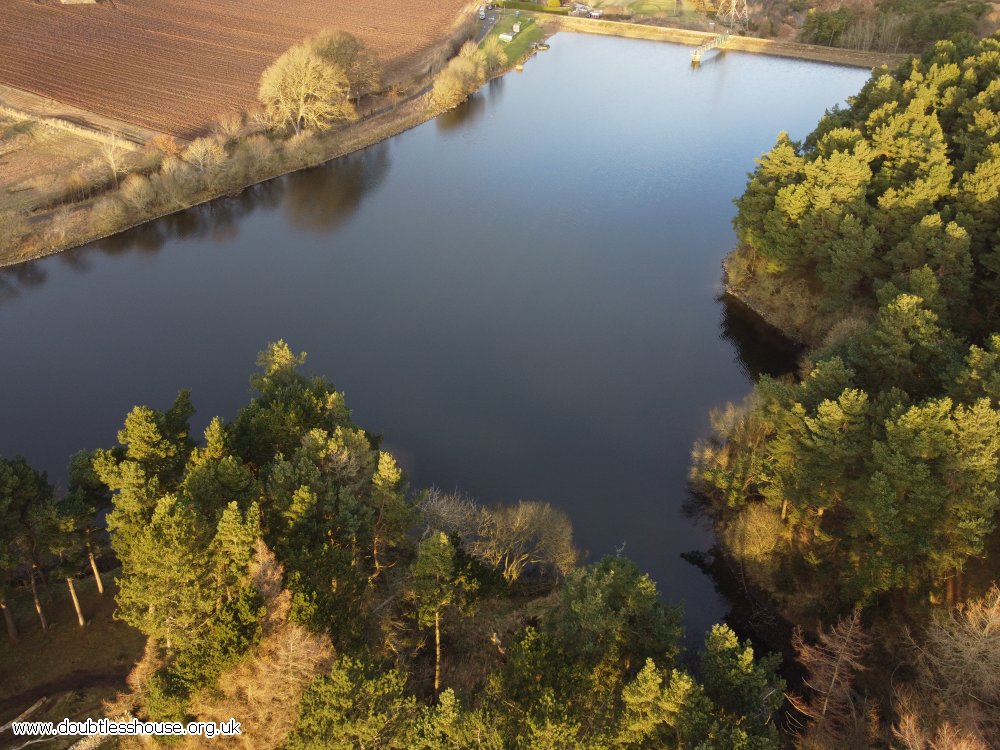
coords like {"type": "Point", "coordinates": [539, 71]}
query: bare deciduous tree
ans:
{"type": "Point", "coordinates": [359, 63]}
{"type": "Point", "coordinates": [912, 732]}
{"type": "Point", "coordinates": [508, 538]}
{"type": "Point", "coordinates": [230, 125]}
{"type": "Point", "coordinates": [303, 90]}
{"type": "Point", "coordinates": [114, 153]}
{"type": "Point", "coordinates": [530, 533]}
{"type": "Point", "coordinates": [452, 512]}
{"type": "Point", "coordinates": [831, 665]}
{"type": "Point", "coordinates": [394, 93]}
{"type": "Point", "coordinates": [204, 154]}
{"type": "Point", "coordinates": [958, 666]}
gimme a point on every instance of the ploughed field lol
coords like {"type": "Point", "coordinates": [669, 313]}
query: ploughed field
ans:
{"type": "Point", "coordinates": [174, 65]}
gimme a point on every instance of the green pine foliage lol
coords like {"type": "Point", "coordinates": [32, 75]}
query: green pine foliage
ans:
{"type": "Point", "coordinates": [285, 548]}
{"type": "Point", "coordinates": [877, 472]}
{"type": "Point", "coordinates": [282, 563]}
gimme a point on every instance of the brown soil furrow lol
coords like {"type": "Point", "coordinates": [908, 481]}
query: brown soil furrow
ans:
{"type": "Point", "coordinates": [175, 64]}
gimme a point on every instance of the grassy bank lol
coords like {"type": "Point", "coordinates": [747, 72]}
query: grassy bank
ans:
{"type": "Point", "coordinates": [519, 48]}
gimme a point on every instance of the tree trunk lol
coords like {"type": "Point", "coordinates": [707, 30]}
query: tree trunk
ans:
{"type": "Point", "coordinates": [38, 603]}
{"type": "Point", "coordinates": [8, 617]}
{"type": "Point", "coordinates": [45, 582]}
{"type": "Point", "coordinates": [377, 566]}
{"type": "Point", "coordinates": [76, 602]}
{"type": "Point", "coordinates": [97, 573]}
{"type": "Point", "coordinates": [437, 653]}
{"type": "Point", "coordinates": [376, 538]}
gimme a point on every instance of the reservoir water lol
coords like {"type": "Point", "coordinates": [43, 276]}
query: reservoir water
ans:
{"type": "Point", "coordinates": [522, 295]}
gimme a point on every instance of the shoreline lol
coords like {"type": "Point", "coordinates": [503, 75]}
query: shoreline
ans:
{"type": "Point", "coordinates": [756, 45]}
{"type": "Point", "coordinates": [751, 304]}
{"type": "Point", "coordinates": [358, 137]}
{"type": "Point", "coordinates": [382, 124]}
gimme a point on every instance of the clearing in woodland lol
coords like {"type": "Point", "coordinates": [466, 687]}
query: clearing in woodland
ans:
{"type": "Point", "coordinates": [174, 65]}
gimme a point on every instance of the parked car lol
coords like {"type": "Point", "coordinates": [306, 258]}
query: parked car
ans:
{"type": "Point", "coordinates": [482, 12]}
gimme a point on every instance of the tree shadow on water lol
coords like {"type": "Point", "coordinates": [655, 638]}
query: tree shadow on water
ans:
{"type": "Point", "coordinates": [760, 348]}
{"type": "Point", "coordinates": [14, 279]}
{"type": "Point", "coordinates": [217, 220]}
{"type": "Point", "coordinates": [464, 115]}
{"type": "Point", "coordinates": [324, 197]}
{"type": "Point", "coordinates": [318, 199]}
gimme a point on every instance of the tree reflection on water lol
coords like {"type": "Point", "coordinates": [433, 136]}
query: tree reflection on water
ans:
{"type": "Point", "coordinates": [318, 199]}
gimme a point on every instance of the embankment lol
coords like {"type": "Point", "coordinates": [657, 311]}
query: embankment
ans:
{"type": "Point", "coordinates": [812, 52]}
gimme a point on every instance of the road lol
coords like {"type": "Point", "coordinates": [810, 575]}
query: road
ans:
{"type": "Point", "coordinates": [491, 19]}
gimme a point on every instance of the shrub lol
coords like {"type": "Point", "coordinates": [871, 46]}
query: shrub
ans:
{"type": "Point", "coordinates": [259, 152]}
{"type": "Point", "coordinates": [230, 126]}
{"type": "Point", "coordinates": [165, 144]}
{"type": "Point", "coordinates": [166, 698]}
{"type": "Point", "coordinates": [108, 215]}
{"type": "Point", "coordinates": [13, 228]}
{"type": "Point", "coordinates": [76, 185]}
{"type": "Point", "coordinates": [59, 226]}
{"type": "Point", "coordinates": [494, 55]}
{"type": "Point", "coordinates": [205, 154]}
{"type": "Point", "coordinates": [255, 158]}
{"type": "Point", "coordinates": [303, 149]}
{"type": "Point", "coordinates": [175, 183]}
{"type": "Point", "coordinates": [137, 193]}
{"type": "Point", "coordinates": [453, 86]}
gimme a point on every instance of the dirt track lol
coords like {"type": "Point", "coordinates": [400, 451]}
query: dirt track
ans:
{"type": "Point", "coordinates": [174, 65]}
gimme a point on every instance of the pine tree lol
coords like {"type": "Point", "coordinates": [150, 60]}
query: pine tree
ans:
{"type": "Point", "coordinates": [745, 689]}
{"type": "Point", "coordinates": [355, 705]}
{"type": "Point", "coordinates": [437, 585]}
{"type": "Point", "coordinates": [214, 477]}
{"type": "Point", "coordinates": [8, 556]}
{"type": "Point", "coordinates": [166, 588]}
{"type": "Point", "coordinates": [87, 495]}
{"type": "Point", "coordinates": [32, 521]}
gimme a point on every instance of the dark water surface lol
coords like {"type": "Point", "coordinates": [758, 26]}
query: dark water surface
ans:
{"type": "Point", "coordinates": [522, 295]}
